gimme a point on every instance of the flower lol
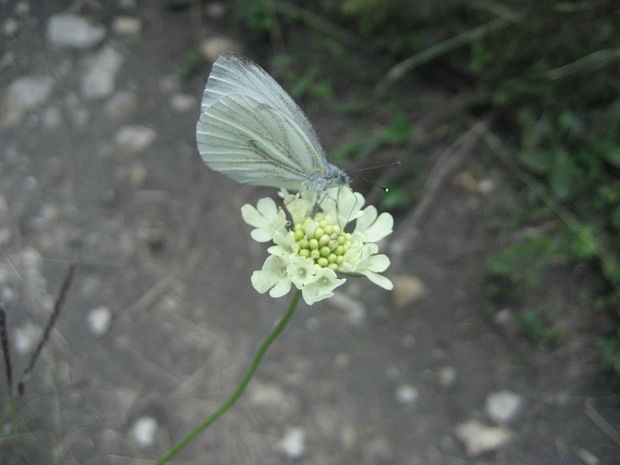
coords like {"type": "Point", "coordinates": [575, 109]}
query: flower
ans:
{"type": "Point", "coordinates": [309, 250]}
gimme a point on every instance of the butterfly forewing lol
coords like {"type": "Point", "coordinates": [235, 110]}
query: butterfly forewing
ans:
{"type": "Point", "coordinates": [251, 130]}
{"type": "Point", "coordinates": [252, 143]}
{"type": "Point", "coordinates": [232, 74]}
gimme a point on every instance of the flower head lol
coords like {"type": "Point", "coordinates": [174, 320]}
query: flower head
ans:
{"type": "Point", "coordinates": [309, 250]}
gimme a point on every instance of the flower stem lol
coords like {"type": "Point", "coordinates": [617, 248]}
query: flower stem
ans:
{"type": "Point", "coordinates": [242, 385]}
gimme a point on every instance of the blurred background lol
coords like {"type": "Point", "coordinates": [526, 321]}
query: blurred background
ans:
{"type": "Point", "coordinates": [500, 343]}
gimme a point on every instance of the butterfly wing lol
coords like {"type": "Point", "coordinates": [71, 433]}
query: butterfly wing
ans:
{"type": "Point", "coordinates": [235, 76]}
{"type": "Point", "coordinates": [254, 143]}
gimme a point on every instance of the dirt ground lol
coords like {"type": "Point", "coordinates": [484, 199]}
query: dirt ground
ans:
{"type": "Point", "coordinates": [162, 321]}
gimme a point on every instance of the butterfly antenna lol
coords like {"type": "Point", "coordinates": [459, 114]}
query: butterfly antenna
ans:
{"type": "Point", "coordinates": [383, 188]}
{"type": "Point", "coordinates": [385, 165]}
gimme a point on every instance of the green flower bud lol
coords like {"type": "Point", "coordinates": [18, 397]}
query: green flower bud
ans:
{"type": "Point", "coordinates": [313, 244]}
{"type": "Point", "coordinates": [322, 262]}
{"type": "Point", "coordinates": [324, 251]}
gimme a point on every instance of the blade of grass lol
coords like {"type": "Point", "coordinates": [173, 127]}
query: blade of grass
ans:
{"type": "Point", "coordinates": [66, 284]}
{"type": "Point", "coordinates": [6, 348]}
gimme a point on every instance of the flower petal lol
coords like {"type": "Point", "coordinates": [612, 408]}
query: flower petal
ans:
{"type": "Point", "coordinates": [379, 280]}
{"type": "Point", "coordinates": [267, 218]}
{"type": "Point", "coordinates": [272, 275]}
{"type": "Point", "coordinates": [322, 287]}
{"type": "Point", "coordinates": [378, 263]}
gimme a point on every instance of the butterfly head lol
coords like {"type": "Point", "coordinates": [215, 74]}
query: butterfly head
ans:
{"type": "Point", "coordinates": [332, 177]}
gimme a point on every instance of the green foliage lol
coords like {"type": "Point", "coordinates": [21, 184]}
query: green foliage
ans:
{"type": "Point", "coordinates": [303, 79]}
{"type": "Point", "coordinates": [540, 326]}
{"type": "Point", "coordinates": [522, 262]}
{"type": "Point", "coordinates": [610, 348]}
{"type": "Point", "coordinates": [191, 61]}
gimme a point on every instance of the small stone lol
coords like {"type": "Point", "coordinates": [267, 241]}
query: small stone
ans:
{"type": "Point", "coordinates": [127, 4]}
{"type": "Point", "coordinates": [144, 430]}
{"type": "Point", "coordinates": [134, 139]}
{"type": "Point", "coordinates": [342, 360]}
{"type": "Point", "coordinates": [479, 438]}
{"type": "Point", "coordinates": [588, 457]}
{"type": "Point", "coordinates": [293, 443]}
{"type": "Point", "coordinates": [407, 289]}
{"type": "Point", "coordinates": [486, 186]}
{"type": "Point", "coordinates": [24, 94]}
{"type": "Point", "coordinates": [99, 320]}
{"type": "Point", "coordinates": [269, 395]}
{"type": "Point", "coordinates": [127, 26]}
{"type": "Point", "coordinates": [26, 337]}
{"type": "Point", "coordinates": [216, 10]}
{"type": "Point", "coordinates": [121, 104]}
{"type": "Point", "coordinates": [466, 180]}
{"type": "Point", "coordinates": [213, 47]}
{"type": "Point", "coordinates": [72, 31]}
{"type": "Point", "coordinates": [446, 376]}
{"type": "Point", "coordinates": [378, 450]}
{"type": "Point", "coordinates": [503, 406]}
{"type": "Point", "coordinates": [505, 319]}
{"type": "Point", "coordinates": [7, 60]}
{"type": "Point", "coordinates": [355, 310]}
{"type": "Point", "coordinates": [137, 175]}
{"type": "Point", "coordinates": [22, 8]}
{"type": "Point", "coordinates": [406, 394]}
{"type": "Point", "coordinates": [51, 118]}
{"type": "Point", "coordinates": [183, 102]}
{"type": "Point", "coordinates": [10, 27]}
{"type": "Point", "coordinates": [99, 79]}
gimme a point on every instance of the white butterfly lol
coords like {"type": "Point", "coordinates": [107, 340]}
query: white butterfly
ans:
{"type": "Point", "coordinates": [252, 131]}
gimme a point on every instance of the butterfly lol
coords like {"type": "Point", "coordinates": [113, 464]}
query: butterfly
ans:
{"type": "Point", "coordinates": [252, 131]}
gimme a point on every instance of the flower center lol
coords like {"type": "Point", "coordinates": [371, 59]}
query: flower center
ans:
{"type": "Point", "coordinates": [323, 242]}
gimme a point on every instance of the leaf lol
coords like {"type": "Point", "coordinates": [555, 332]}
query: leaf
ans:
{"type": "Point", "coordinates": [562, 175]}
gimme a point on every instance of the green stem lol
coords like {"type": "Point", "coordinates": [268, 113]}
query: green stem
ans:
{"type": "Point", "coordinates": [242, 385]}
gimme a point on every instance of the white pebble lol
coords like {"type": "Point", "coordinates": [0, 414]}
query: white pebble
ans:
{"type": "Point", "coordinates": [479, 438]}
{"type": "Point", "coordinates": [182, 102]}
{"type": "Point", "coordinates": [406, 394]}
{"type": "Point", "coordinates": [144, 430]}
{"type": "Point", "coordinates": [293, 444]}
{"type": "Point", "coordinates": [127, 25]}
{"type": "Point", "coordinates": [99, 320]}
{"type": "Point", "coordinates": [26, 337]}
{"type": "Point", "coordinates": [121, 104]}
{"type": "Point", "coordinates": [447, 376]}
{"type": "Point", "coordinates": [134, 139]}
{"type": "Point", "coordinates": [72, 31]}
{"type": "Point", "coordinates": [503, 406]}
{"type": "Point", "coordinates": [22, 95]}
{"type": "Point", "coordinates": [10, 27]}
{"type": "Point", "coordinates": [355, 311]}
{"type": "Point", "coordinates": [100, 77]}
